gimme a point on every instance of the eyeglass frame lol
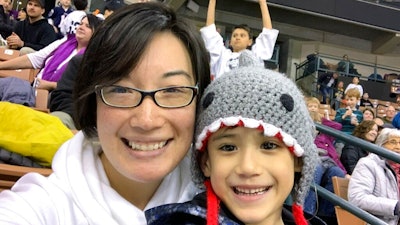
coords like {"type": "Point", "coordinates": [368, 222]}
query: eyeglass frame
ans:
{"type": "Point", "coordinates": [98, 89]}
{"type": "Point", "coordinates": [393, 142]}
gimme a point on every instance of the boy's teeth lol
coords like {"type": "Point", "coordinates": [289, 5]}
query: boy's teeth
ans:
{"type": "Point", "coordinates": [249, 191]}
{"type": "Point", "coordinates": [147, 147]}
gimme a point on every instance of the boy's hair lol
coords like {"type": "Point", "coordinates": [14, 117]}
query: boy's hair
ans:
{"type": "Point", "coordinates": [254, 97]}
{"type": "Point", "coordinates": [80, 4]}
{"type": "Point", "coordinates": [311, 100]}
{"type": "Point", "coordinates": [244, 27]}
{"type": "Point", "coordinates": [353, 92]}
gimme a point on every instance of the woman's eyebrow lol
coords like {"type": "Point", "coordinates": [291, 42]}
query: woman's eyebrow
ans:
{"type": "Point", "coordinates": [177, 72]}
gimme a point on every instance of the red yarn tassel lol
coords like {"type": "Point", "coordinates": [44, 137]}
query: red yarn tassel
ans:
{"type": "Point", "coordinates": [298, 214]}
{"type": "Point", "coordinates": [212, 204]}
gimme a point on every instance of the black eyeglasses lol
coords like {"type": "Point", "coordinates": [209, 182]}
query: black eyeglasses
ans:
{"type": "Point", "coordinates": [125, 97]}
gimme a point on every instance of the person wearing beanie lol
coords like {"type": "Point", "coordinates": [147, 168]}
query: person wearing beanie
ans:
{"type": "Point", "coordinates": [254, 147]}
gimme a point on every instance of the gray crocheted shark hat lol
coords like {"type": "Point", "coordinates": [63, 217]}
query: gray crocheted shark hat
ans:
{"type": "Point", "coordinates": [254, 97]}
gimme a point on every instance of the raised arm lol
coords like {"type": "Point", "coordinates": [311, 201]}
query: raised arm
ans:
{"type": "Point", "coordinates": [266, 18]}
{"type": "Point", "coordinates": [211, 12]}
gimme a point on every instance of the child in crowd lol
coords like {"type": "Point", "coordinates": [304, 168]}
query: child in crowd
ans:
{"type": "Point", "coordinates": [338, 95]}
{"type": "Point", "coordinates": [71, 22]}
{"type": "Point", "coordinates": [223, 59]}
{"type": "Point", "coordinates": [328, 165]}
{"type": "Point", "coordinates": [365, 100]}
{"type": "Point", "coordinates": [253, 134]}
{"type": "Point", "coordinates": [350, 116]}
{"type": "Point", "coordinates": [58, 14]}
{"type": "Point", "coordinates": [313, 108]}
{"type": "Point", "coordinates": [355, 84]}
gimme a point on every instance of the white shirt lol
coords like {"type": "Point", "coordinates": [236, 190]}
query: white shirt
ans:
{"type": "Point", "coordinates": [78, 192]}
{"type": "Point", "coordinates": [223, 59]}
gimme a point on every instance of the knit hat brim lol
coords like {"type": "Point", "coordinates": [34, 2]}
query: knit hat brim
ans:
{"type": "Point", "coordinates": [268, 130]}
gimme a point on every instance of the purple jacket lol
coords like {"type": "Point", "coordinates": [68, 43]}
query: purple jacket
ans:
{"type": "Point", "coordinates": [325, 141]}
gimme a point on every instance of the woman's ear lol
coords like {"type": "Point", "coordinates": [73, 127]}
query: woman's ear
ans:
{"type": "Point", "coordinates": [205, 164]}
{"type": "Point", "coordinates": [298, 164]}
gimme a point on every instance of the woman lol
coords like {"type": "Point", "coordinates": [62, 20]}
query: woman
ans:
{"type": "Point", "coordinates": [53, 59]}
{"type": "Point", "coordinates": [368, 114]}
{"type": "Point", "coordinates": [374, 184]}
{"type": "Point", "coordinates": [366, 130]}
{"type": "Point", "coordinates": [131, 154]}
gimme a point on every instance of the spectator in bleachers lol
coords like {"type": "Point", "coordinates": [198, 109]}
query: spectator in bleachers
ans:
{"type": "Point", "coordinates": [6, 24]}
{"type": "Point", "coordinates": [355, 84]}
{"type": "Point", "coordinates": [61, 104]}
{"type": "Point", "coordinates": [57, 14]}
{"type": "Point", "coordinates": [346, 66]}
{"type": "Point", "coordinates": [390, 112]}
{"type": "Point", "coordinates": [366, 130]}
{"type": "Point", "coordinates": [338, 95]}
{"type": "Point", "coordinates": [368, 114]}
{"type": "Point", "coordinates": [350, 116]}
{"type": "Point", "coordinates": [314, 62]}
{"type": "Point", "coordinates": [396, 121]}
{"type": "Point", "coordinates": [73, 19]}
{"type": "Point", "coordinates": [34, 33]}
{"type": "Point", "coordinates": [365, 102]}
{"type": "Point", "coordinates": [328, 165]}
{"type": "Point", "coordinates": [22, 14]}
{"type": "Point", "coordinates": [374, 184]}
{"type": "Point", "coordinates": [224, 59]}
{"type": "Point", "coordinates": [313, 106]}
{"type": "Point", "coordinates": [111, 6]}
{"type": "Point", "coordinates": [53, 59]}
{"type": "Point", "coordinates": [327, 82]}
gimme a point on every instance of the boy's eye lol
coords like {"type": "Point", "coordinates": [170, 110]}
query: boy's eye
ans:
{"type": "Point", "coordinates": [269, 145]}
{"type": "Point", "coordinates": [228, 148]}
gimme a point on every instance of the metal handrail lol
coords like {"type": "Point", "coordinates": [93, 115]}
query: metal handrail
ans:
{"type": "Point", "coordinates": [368, 146]}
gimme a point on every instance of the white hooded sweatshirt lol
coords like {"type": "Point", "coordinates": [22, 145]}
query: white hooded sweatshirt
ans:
{"type": "Point", "coordinates": [78, 192]}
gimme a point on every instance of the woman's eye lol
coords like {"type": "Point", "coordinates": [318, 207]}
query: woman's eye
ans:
{"type": "Point", "coordinates": [227, 148]}
{"type": "Point", "coordinates": [118, 90]}
{"type": "Point", "coordinates": [269, 145]}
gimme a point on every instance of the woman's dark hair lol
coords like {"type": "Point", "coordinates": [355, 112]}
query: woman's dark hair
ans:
{"type": "Point", "coordinates": [117, 47]}
{"type": "Point", "coordinates": [94, 21]}
{"type": "Point", "coordinates": [363, 128]}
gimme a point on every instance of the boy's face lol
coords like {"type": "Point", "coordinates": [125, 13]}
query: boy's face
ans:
{"type": "Point", "coordinates": [312, 107]}
{"type": "Point", "coordinates": [252, 174]}
{"type": "Point", "coordinates": [356, 80]}
{"type": "Point", "coordinates": [351, 101]}
{"type": "Point", "coordinates": [65, 3]}
{"type": "Point", "coordinates": [240, 40]}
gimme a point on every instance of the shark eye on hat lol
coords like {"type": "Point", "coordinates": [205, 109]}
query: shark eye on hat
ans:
{"type": "Point", "coordinates": [208, 99]}
{"type": "Point", "coordinates": [287, 102]}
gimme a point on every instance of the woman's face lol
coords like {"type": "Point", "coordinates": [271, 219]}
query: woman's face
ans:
{"type": "Point", "coordinates": [371, 135]}
{"type": "Point", "coordinates": [145, 143]}
{"type": "Point", "coordinates": [367, 115]}
{"type": "Point", "coordinates": [393, 144]}
{"type": "Point", "coordinates": [84, 32]}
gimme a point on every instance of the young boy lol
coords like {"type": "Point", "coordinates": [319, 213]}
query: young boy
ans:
{"type": "Point", "coordinates": [223, 59]}
{"type": "Point", "coordinates": [58, 14]}
{"type": "Point", "coordinates": [350, 116]}
{"type": "Point", "coordinates": [253, 134]}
